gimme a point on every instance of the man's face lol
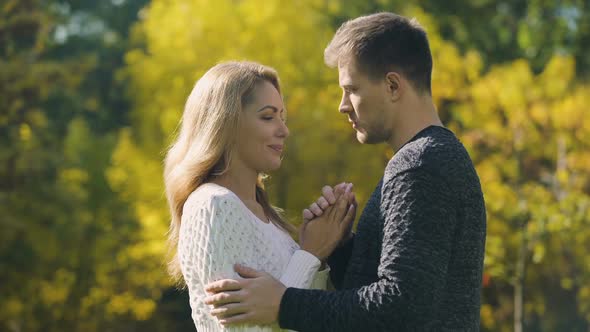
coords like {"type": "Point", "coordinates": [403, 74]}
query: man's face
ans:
{"type": "Point", "coordinates": [366, 102]}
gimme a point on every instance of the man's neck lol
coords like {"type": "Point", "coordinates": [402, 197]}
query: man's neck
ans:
{"type": "Point", "coordinates": [418, 115]}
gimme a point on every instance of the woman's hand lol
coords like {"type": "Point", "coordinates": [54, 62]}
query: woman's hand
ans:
{"type": "Point", "coordinates": [323, 234]}
{"type": "Point", "coordinates": [329, 196]}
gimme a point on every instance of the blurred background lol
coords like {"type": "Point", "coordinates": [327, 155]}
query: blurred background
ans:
{"type": "Point", "coordinates": [91, 93]}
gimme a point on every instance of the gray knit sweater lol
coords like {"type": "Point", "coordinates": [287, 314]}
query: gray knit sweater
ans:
{"type": "Point", "coordinates": [417, 258]}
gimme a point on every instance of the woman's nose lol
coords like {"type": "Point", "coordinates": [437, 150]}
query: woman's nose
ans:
{"type": "Point", "coordinates": [283, 130]}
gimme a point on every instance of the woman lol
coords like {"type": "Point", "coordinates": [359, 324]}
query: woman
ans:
{"type": "Point", "coordinates": [233, 131]}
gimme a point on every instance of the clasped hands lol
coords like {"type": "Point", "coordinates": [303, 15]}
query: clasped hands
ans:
{"type": "Point", "coordinates": [327, 223]}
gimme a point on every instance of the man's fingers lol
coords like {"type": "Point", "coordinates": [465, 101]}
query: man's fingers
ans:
{"type": "Point", "coordinates": [323, 203]}
{"type": "Point", "coordinates": [339, 209]}
{"type": "Point", "coordinates": [340, 188]}
{"type": "Point", "coordinates": [223, 285]}
{"type": "Point", "coordinates": [228, 310]}
{"type": "Point", "coordinates": [316, 210]}
{"type": "Point", "coordinates": [220, 299]}
{"type": "Point", "coordinates": [246, 272]}
{"type": "Point", "coordinates": [237, 319]}
{"type": "Point", "coordinates": [349, 217]}
{"type": "Point", "coordinates": [328, 193]}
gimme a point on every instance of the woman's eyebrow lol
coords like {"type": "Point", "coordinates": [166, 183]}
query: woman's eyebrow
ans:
{"type": "Point", "coordinates": [268, 106]}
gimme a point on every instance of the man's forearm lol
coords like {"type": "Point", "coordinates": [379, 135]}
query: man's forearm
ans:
{"type": "Point", "coordinates": [380, 306]}
{"type": "Point", "coordinates": [308, 310]}
{"type": "Point", "coordinates": [345, 310]}
{"type": "Point", "coordinates": [338, 262]}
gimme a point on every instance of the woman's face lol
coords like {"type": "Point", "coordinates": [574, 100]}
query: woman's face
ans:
{"type": "Point", "coordinates": [262, 130]}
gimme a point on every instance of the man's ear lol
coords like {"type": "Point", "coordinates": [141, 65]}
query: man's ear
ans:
{"type": "Point", "coordinates": [394, 84]}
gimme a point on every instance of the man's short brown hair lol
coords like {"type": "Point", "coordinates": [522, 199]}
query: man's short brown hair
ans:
{"type": "Point", "coordinates": [384, 42]}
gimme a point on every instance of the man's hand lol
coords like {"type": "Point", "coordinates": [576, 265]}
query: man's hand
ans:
{"type": "Point", "coordinates": [254, 300]}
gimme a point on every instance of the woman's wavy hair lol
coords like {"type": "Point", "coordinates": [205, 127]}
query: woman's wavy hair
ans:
{"type": "Point", "coordinates": [204, 146]}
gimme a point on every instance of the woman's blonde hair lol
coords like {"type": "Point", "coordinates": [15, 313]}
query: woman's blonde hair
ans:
{"type": "Point", "coordinates": [206, 140]}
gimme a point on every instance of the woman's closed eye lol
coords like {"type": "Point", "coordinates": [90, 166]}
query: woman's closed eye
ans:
{"type": "Point", "coordinates": [271, 117]}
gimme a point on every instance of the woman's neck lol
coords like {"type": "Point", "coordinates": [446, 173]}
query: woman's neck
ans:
{"type": "Point", "coordinates": [241, 182]}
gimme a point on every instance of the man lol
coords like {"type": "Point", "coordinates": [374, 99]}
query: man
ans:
{"type": "Point", "coordinates": [415, 263]}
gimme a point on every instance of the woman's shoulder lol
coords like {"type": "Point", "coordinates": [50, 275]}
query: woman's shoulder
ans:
{"type": "Point", "coordinates": [209, 196]}
{"type": "Point", "coordinates": [215, 205]}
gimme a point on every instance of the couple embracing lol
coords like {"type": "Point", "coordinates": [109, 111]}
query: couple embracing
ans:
{"type": "Point", "coordinates": [415, 262]}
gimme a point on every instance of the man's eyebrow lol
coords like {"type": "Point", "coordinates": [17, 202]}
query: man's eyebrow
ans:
{"type": "Point", "coordinates": [274, 109]}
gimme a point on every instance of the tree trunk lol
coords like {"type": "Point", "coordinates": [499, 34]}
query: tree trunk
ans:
{"type": "Point", "coordinates": [519, 282]}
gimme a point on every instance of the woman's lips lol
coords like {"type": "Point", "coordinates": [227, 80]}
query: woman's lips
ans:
{"type": "Point", "coordinates": [277, 147]}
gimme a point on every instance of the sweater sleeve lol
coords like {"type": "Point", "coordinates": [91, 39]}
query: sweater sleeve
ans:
{"type": "Point", "coordinates": [419, 223]}
{"type": "Point", "coordinates": [217, 234]}
{"type": "Point", "coordinates": [338, 262]}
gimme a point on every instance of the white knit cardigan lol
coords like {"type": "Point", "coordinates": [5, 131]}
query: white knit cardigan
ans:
{"type": "Point", "coordinates": [218, 230]}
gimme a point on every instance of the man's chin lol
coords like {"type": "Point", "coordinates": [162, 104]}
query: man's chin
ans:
{"type": "Point", "coordinates": [363, 138]}
{"type": "Point", "coordinates": [360, 137]}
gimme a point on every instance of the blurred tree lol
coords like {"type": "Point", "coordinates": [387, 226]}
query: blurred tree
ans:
{"type": "Point", "coordinates": [38, 195]}
{"type": "Point", "coordinates": [71, 254]}
{"type": "Point", "coordinates": [514, 29]}
{"type": "Point", "coordinates": [529, 138]}
{"type": "Point", "coordinates": [81, 198]}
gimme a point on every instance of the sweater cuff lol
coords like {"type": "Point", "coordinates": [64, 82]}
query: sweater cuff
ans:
{"type": "Point", "coordinates": [301, 270]}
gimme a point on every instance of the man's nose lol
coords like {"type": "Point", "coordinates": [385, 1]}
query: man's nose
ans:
{"type": "Point", "coordinates": [345, 106]}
